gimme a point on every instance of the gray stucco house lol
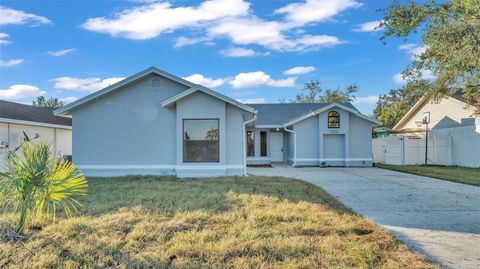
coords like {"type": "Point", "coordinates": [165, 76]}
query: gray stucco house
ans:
{"type": "Point", "coordinates": [156, 123]}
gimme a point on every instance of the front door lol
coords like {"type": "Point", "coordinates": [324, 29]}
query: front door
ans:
{"type": "Point", "coordinates": [276, 150]}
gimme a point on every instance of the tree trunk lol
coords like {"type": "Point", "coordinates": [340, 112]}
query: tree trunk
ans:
{"type": "Point", "coordinates": [22, 219]}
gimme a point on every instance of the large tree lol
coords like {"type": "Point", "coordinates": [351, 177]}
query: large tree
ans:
{"type": "Point", "coordinates": [313, 92]}
{"type": "Point", "coordinates": [51, 102]}
{"type": "Point", "coordinates": [391, 107]}
{"type": "Point", "coordinates": [450, 32]}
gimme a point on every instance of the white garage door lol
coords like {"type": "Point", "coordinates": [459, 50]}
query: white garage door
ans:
{"type": "Point", "coordinates": [334, 149]}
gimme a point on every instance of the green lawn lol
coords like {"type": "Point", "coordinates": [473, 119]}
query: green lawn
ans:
{"type": "Point", "coordinates": [451, 173]}
{"type": "Point", "coordinates": [254, 222]}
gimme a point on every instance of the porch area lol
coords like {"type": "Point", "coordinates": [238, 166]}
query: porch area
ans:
{"type": "Point", "coordinates": [266, 146]}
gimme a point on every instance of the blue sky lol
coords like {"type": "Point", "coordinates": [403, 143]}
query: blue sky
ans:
{"type": "Point", "coordinates": [254, 51]}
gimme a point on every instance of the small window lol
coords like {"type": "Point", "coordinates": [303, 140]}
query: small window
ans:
{"type": "Point", "coordinates": [200, 140]}
{"type": "Point", "coordinates": [263, 144]}
{"type": "Point", "coordinates": [250, 143]}
{"type": "Point", "coordinates": [333, 119]}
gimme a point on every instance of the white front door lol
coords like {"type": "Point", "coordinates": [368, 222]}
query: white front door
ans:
{"type": "Point", "coordinates": [276, 144]}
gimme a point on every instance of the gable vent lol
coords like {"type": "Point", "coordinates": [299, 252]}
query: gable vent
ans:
{"type": "Point", "coordinates": [157, 82]}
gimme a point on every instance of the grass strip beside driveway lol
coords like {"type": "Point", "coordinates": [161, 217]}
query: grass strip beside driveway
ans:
{"type": "Point", "coordinates": [463, 175]}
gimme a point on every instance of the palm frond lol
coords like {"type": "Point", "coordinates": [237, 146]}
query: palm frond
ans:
{"type": "Point", "coordinates": [34, 179]}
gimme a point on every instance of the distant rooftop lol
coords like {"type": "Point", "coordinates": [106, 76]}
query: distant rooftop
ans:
{"type": "Point", "coordinates": [278, 114]}
{"type": "Point", "coordinates": [16, 111]}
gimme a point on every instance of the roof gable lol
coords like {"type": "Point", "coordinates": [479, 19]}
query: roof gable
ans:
{"type": "Point", "coordinates": [279, 115]}
{"type": "Point", "coordinates": [117, 86]}
{"type": "Point", "coordinates": [453, 107]}
{"type": "Point", "coordinates": [198, 88]}
{"type": "Point", "coordinates": [330, 106]}
{"type": "Point", "coordinates": [275, 115]}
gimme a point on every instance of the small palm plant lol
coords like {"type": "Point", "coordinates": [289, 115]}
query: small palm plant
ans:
{"type": "Point", "coordinates": [36, 182]}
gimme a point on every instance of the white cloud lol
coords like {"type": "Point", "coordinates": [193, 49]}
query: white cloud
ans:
{"type": "Point", "coordinates": [252, 101]}
{"type": "Point", "coordinates": [144, 1]}
{"type": "Point", "coordinates": [399, 79]}
{"type": "Point", "coordinates": [259, 79]}
{"type": "Point", "coordinates": [68, 99]}
{"type": "Point", "coordinates": [205, 81]}
{"type": "Point", "coordinates": [185, 41]}
{"type": "Point", "coordinates": [238, 52]}
{"type": "Point", "coordinates": [407, 46]}
{"type": "Point", "coordinates": [12, 16]}
{"type": "Point", "coordinates": [59, 53]}
{"type": "Point", "coordinates": [246, 31]}
{"type": "Point", "coordinates": [269, 34]}
{"type": "Point", "coordinates": [413, 50]}
{"type": "Point", "coordinates": [299, 70]}
{"type": "Point", "coordinates": [371, 26]}
{"type": "Point", "coordinates": [20, 91]}
{"type": "Point", "coordinates": [230, 19]}
{"type": "Point", "coordinates": [315, 10]}
{"type": "Point", "coordinates": [314, 42]}
{"type": "Point", "coordinates": [3, 38]}
{"type": "Point", "coordinates": [84, 84]}
{"type": "Point", "coordinates": [9, 63]}
{"type": "Point", "coordinates": [143, 22]}
{"type": "Point", "coordinates": [368, 100]}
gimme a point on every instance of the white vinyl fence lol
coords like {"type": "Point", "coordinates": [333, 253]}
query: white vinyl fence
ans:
{"type": "Point", "coordinates": [455, 146]}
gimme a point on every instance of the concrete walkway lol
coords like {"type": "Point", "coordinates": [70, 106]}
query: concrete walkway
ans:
{"type": "Point", "coordinates": [440, 219]}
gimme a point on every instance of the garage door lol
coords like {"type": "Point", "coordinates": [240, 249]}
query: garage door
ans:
{"type": "Point", "coordinates": [334, 149]}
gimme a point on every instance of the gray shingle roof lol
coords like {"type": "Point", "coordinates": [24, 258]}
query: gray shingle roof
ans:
{"type": "Point", "coordinates": [278, 114]}
{"type": "Point", "coordinates": [16, 111]}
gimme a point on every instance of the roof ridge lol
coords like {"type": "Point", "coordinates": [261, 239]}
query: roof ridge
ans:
{"type": "Point", "coordinates": [297, 103]}
{"type": "Point", "coordinates": [29, 106]}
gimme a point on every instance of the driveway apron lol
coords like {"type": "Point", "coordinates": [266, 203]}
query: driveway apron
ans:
{"type": "Point", "coordinates": [438, 218]}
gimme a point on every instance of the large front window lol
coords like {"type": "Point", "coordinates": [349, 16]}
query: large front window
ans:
{"type": "Point", "coordinates": [200, 140]}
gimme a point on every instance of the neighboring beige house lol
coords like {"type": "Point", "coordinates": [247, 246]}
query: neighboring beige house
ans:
{"type": "Point", "coordinates": [453, 135]}
{"type": "Point", "coordinates": [19, 122]}
{"type": "Point", "coordinates": [446, 113]}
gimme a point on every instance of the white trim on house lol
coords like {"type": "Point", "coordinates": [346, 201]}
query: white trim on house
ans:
{"type": "Point", "coordinates": [294, 144]}
{"type": "Point", "coordinates": [35, 123]}
{"type": "Point", "coordinates": [332, 160]}
{"type": "Point", "coordinates": [87, 99]}
{"type": "Point", "coordinates": [181, 170]}
{"type": "Point", "coordinates": [320, 110]}
{"type": "Point", "coordinates": [244, 142]}
{"type": "Point", "coordinates": [212, 166]}
{"type": "Point", "coordinates": [125, 166]}
{"type": "Point", "coordinates": [259, 158]}
{"type": "Point", "coordinates": [157, 166]}
{"type": "Point", "coordinates": [172, 100]}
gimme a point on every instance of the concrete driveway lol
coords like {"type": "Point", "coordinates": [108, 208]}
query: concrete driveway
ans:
{"type": "Point", "coordinates": [438, 218]}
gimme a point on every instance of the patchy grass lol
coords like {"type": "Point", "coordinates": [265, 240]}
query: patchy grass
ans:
{"type": "Point", "coordinates": [254, 222]}
{"type": "Point", "coordinates": [451, 173]}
